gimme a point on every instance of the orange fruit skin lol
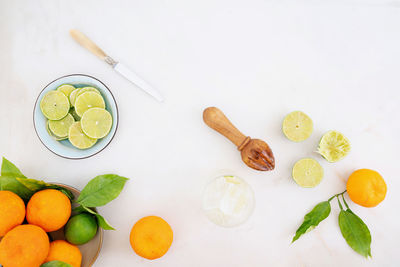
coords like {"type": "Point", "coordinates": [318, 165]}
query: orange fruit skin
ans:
{"type": "Point", "coordinates": [151, 237]}
{"type": "Point", "coordinates": [61, 250]}
{"type": "Point", "coordinates": [12, 211]}
{"type": "Point", "coordinates": [366, 187]}
{"type": "Point", "coordinates": [49, 209]}
{"type": "Point", "coordinates": [24, 246]}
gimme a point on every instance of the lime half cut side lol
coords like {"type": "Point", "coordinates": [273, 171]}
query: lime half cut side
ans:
{"type": "Point", "coordinates": [334, 146]}
{"type": "Point", "coordinates": [61, 127]}
{"type": "Point", "coordinates": [87, 101]}
{"type": "Point", "coordinates": [54, 105]}
{"type": "Point", "coordinates": [96, 122]}
{"type": "Point", "coordinates": [307, 172]}
{"type": "Point", "coordinates": [78, 138]}
{"type": "Point", "coordinates": [297, 126]}
{"type": "Point", "coordinates": [66, 89]}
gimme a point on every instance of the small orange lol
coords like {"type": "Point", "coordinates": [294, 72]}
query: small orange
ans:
{"type": "Point", "coordinates": [151, 237]}
{"type": "Point", "coordinates": [24, 246]}
{"type": "Point", "coordinates": [12, 211]}
{"type": "Point", "coordinates": [61, 250]}
{"type": "Point", "coordinates": [49, 209]}
{"type": "Point", "coordinates": [366, 187]}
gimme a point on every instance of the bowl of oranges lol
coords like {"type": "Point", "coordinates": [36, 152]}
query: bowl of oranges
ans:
{"type": "Point", "coordinates": [47, 230]}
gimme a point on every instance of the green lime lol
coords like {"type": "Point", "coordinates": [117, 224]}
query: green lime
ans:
{"type": "Point", "coordinates": [96, 122]}
{"type": "Point", "coordinates": [307, 172]}
{"type": "Point", "coordinates": [88, 100]}
{"type": "Point", "coordinates": [78, 138]}
{"type": "Point", "coordinates": [66, 89]}
{"type": "Point", "coordinates": [80, 229]}
{"type": "Point", "coordinates": [61, 127]}
{"type": "Point", "coordinates": [57, 138]}
{"type": "Point", "coordinates": [297, 126]}
{"type": "Point", "coordinates": [334, 146]}
{"type": "Point", "coordinates": [72, 96]}
{"type": "Point", "coordinates": [54, 105]}
{"type": "Point", "coordinates": [87, 89]}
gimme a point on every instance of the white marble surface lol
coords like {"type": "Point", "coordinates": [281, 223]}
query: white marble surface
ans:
{"type": "Point", "coordinates": [257, 60]}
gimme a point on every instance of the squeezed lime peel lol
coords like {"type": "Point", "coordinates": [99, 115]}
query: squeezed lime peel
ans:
{"type": "Point", "coordinates": [334, 146]}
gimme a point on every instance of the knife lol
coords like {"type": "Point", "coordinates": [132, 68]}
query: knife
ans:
{"type": "Point", "coordinates": [84, 41]}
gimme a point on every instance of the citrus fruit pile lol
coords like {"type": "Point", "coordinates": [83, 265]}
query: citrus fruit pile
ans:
{"type": "Point", "coordinates": [76, 114]}
{"type": "Point", "coordinates": [28, 244]}
{"type": "Point", "coordinates": [24, 229]}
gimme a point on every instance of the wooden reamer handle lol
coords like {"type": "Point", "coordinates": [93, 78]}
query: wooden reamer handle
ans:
{"type": "Point", "coordinates": [217, 120]}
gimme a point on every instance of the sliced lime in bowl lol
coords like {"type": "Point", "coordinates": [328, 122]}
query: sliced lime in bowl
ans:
{"type": "Point", "coordinates": [88, 100]}
{"type": "Point", "coordinates": [54, 105]}
{"type": "Point", "coordinates": [96, 122]}
{"type": "Point", "coordinates": [61, 127]}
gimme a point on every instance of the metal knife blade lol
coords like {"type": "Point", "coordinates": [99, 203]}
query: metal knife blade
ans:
{"type": "Point", "coordinates": [138, 81]}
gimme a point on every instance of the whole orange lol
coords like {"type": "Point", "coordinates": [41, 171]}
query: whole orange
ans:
{"type": "Point", "coordinates": [61, 250]}
{"type": "Point", "coordinates": [151, 237]}
{"type": "Point", "coordinates": [12, 211]}
{"type": "Point", "coordinates": [24, 246]}
{"type": "Point", "coordinates": [366, 187]}
{"type": "Point", "coordinates": [49, 209]}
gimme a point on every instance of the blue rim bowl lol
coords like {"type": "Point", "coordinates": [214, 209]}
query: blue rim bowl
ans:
{"type": "Point", "coordinates": [64, 148]}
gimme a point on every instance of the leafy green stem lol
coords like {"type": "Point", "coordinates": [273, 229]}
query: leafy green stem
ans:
{"type": "Point", "coordinates": [345, 203]}
{"type": "Point", "coordinates": [340, 204]}
{"type": "Point", "coordinates": [337, 195]}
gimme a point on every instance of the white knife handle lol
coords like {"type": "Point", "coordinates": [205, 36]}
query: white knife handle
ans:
{"type": "Point", "coordinates": [139, 82]}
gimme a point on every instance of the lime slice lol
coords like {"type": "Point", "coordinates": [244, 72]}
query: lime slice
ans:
{"type": "Point", "coordinates": [54, 105]}
{"type": "Point", "coordinates": [334, 146]}
{"type": "Point", "coordinates": [66, 89]}
{"type": "Point", "coordinates": [78, 138]}
{"type": "Point", "coordinates": [96, 122]}
{"type": "Point", "coordinates": [297, 126]}
{"type": "Point", "coordinates": [57, 138]}
{"type": "Point", "coordinates": [87, 89]}
{"type": "Point", "coordinates": [61, 127]}
{"type": "Point", "coordinates": [72, 96]}
{"type": "Point", "coordinates": [73, 113]}
{"type": "Point", "coordinates": [88, 100]}
{"type": "Point", "coordinates": [307, 172]}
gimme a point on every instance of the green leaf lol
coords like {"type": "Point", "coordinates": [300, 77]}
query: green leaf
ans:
{"type": "Point", "coordinates": [32, 184]}
{"type": "Point", "coordinates": [10, 183]}
{"type": "Point", "coordinates": [9, 169]}
{"type": "Point", "coordinates": [101, 221]}
{"type": "Point", "coordinates": [101, 190]}
{"type": "Point", "coordinates": [55, 264]}
{"type": "Point", "coordinates": [36, 185]}
{"type": "Point", "coordinates": [313, 218]}
{"type": "Point", "coordinates": [355, 232]}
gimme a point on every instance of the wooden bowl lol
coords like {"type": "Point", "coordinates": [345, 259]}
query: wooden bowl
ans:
{"type": "Point", "coordinates": [90, 251]}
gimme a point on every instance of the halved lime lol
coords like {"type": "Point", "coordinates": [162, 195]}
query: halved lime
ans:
{"type": "Point", "coordinates": [66, 89]}
{"type": "Point", "coordinates": [87, 89]}
{"type": "Point", "coordinates": [334, 146]}
{"type": "Point", "coordinates": [61, 127]}
{"type": "Point", "coordinates": [72, 96]}
{"type": "Point", "coordinates": [96, 122]}
{"type": "Point", "coordinates": [297, 126]}
{"type": "Point", "coordinates": [57, 138]}
{"type": "Point", "coordinates": [307, 172]}
{"type": "Point", "coordinates": [78, 138]}
{"type": "Point", "coordinates": [54, 105]}
{"type": "Point", "coordinates": [88, 100]}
